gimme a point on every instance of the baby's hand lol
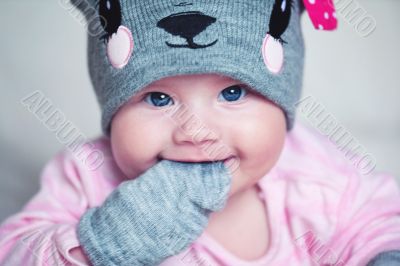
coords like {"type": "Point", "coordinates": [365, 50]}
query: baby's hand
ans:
{"type": "Point", "coordinates": [155, 216]}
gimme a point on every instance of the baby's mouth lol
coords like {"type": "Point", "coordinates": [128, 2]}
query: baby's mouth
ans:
{"type": "Point", "coordinates": [224, 160]}
{"type": "Point", "coordinates": [229, 159]}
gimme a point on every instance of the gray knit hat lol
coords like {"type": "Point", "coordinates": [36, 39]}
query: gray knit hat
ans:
{"type": "Point", "coordinates": [133, 43]}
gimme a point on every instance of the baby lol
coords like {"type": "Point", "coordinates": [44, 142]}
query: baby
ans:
{"type": "Point", "coordinates": [203, 162]}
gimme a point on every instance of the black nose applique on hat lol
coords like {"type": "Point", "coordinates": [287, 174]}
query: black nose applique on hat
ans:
{"type": "Point", "coordinates": [187, 25]}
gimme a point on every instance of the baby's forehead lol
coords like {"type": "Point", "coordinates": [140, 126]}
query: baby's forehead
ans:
{"type": "Point", "coordinates": [216, 77]}
{"type": "Point", "coordinates": [206, 80]}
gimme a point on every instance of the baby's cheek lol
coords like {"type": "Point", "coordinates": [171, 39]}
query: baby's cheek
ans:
{"type": "Point", "coordinates": [140, 156]}
{"type": "Point", "coordinates": [137, 140]}
{"type": "Point", "coordinates": [267, 149]}
{"type": "Point", "coordinates": [260, 145]}
{"type": "Point", "coordinates": [129, 154]}
{"type": "Point", "coordinates": [260, 141]}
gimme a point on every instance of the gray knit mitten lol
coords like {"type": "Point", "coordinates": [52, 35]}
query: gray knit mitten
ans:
{"type": "Point", "coordinates": [155, 216]}
{"type": "Point", "coordinates": [387, 258]}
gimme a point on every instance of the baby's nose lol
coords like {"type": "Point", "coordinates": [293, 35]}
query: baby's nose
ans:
{"type": "Point", "coordinates": [195, 129]}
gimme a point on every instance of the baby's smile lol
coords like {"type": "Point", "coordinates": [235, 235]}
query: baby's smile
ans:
{"type": "Point", "coordinates": [199, 160]}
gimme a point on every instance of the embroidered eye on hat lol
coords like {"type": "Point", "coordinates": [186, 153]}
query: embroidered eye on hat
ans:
{"type": "Point", "coordinates": [132, 43]}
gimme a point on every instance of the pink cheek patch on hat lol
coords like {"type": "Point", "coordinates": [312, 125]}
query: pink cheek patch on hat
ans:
{"type": "Point", "coordinates": [322, 14]}
{"type": "Point", "coordinates": [120, 47]}
{"type": "Point", "coordinates": [272, 51]}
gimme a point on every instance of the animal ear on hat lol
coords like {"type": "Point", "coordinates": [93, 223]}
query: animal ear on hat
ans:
{"type": "Point", "coordinates": [272, 47]}
{"type": "Point", "coordinates": [106, 12]}
{"type": "Point", "coordinates": [111, 13]}
{"type": "Point", "coordinates": [322, 13]}
{"type": "Point", "coordinates": [280, 18]}
{"type": "Point", "coordinates": [117, 37]}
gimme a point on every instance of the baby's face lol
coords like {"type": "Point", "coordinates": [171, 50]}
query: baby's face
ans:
{"type": "Point", "coordinates": [195, 118]}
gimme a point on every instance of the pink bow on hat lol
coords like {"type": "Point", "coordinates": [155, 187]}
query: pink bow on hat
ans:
{"type": "Point", "coordinates": [322, 14]}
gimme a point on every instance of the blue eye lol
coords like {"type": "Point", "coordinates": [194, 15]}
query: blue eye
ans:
{"type": "Point", "coordinates": [157, 99]}
{"type": "Point", "coordinates": [230, 94]}
{"type": "Point", "coordinates": [233, 93]}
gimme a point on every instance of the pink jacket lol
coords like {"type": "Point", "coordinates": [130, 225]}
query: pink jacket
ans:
{"type": "Point", "coordinates": [321, 210]}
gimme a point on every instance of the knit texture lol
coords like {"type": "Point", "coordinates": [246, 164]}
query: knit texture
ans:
{"type": "Point", "coordinates": [155, 216]}
{"type": "Point", "coordinates": [232, 31]}
{"type": "Point", "coordinates": [388, 258]}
